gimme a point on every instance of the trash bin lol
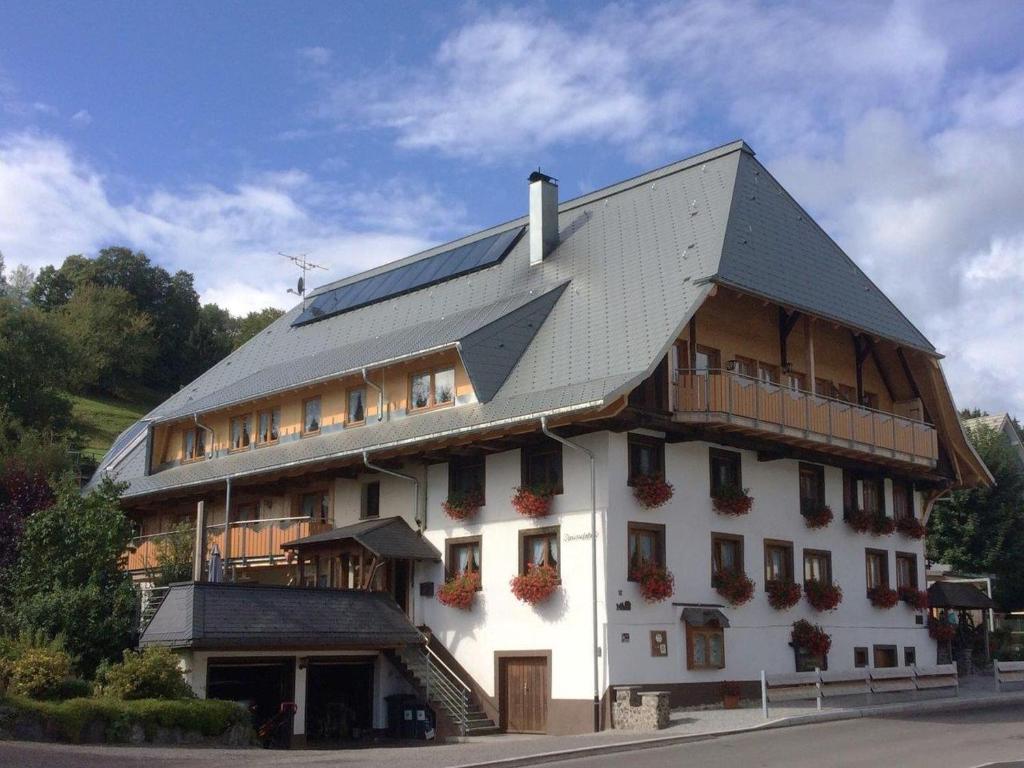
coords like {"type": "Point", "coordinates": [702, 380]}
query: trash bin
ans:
{"type": "Point", "coordinates": [424, 722]}
{"type": "Point", "coordinates": [397, 704]}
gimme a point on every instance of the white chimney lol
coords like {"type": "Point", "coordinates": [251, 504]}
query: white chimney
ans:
{"type": "Point", "coordinates": [543, 216]}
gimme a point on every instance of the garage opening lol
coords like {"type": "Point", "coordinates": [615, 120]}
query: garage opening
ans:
{"type": "Point", "coordinates": [260, 686]}
{"type": "Point", "coordinates": [339, 699]}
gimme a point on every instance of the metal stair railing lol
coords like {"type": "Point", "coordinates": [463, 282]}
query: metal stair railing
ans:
{"type": "Point", "coordinates": [442, 685]}
{"type": "Point", "coordinates": [150, 600]}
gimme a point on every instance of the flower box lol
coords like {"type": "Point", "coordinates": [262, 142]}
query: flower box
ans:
{"type": "Point", "coordinates": [883, 597]}
{"type": "Point", "coordinates": [652, 491]}
{"type": "Point", "coordinates": [811, 638]}
{"type": "Point", "coordinates": [734, 586]}
{"type": "Point", "coordinates": [459, 591]}
{"type": "Point", "coordinates": [823, 597]}
{"type": "Point", "coordinates": [463, 506]}
{"type": "Point", "coordinates": [536, 585]}
{"type": "Point", "coordinates": [915, 598]}
{"type": "Point", "coordinates": [911, 527]}
{"type": "Point", "coordinates": [656, 583]}
{"type": "Point", "coordinates": [817, 517]}
{"type": "Point", "coordinates": [732, 500]}
{"type": "Point", "coordinates": [782, 595]}
{"type": "Point", "coordinates": [532, 501]}
{"type": "Point", "coordinates": [866, 521]}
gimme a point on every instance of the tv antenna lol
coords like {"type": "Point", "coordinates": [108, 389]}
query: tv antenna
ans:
{"type": "Point", "coordinates": [305, 265]}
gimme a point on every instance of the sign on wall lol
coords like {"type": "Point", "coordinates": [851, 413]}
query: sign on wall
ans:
{"type": "Point", "coordinates": [659, 643]}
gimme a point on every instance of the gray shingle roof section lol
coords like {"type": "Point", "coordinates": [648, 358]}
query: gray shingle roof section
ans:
{"type": "Point", "coordinates": [773, 248]}
{"type": "Point", "coordinates": [389, 537]}
{"type": "Point", "coordinates": [225, 616]}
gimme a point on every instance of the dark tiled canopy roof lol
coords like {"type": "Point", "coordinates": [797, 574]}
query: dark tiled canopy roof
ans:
{"type": "Point", "coordinates": [389, 537]}
{"type": "Point", "coordinates": [956, 594]}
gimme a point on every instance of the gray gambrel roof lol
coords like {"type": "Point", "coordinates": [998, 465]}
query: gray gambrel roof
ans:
{"type": "Point", "coordinates": [634, 262]}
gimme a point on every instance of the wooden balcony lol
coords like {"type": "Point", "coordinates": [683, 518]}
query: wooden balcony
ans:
{"type": "Point", "coordinates": [246, 541]}
{"type": "Point", "coordinates": [765, 410]}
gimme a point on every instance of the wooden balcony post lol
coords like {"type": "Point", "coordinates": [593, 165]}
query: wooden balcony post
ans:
{"type": "Point", "coordinates": [199, 557]}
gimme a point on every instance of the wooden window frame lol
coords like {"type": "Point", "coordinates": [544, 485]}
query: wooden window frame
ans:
{"type": "Point", "coordinates": [431, 374]}
{"type": "Point", "coordinates": [647, 442]}
{"type": "Point", "coordinates": [525, 534]}
{"type": "Point", "coordinates": [692, 633]}
{"type": "Point", "coordinates": [912, 558]}
{"type": "Point", "coordinates": [198, 438]}
{"type": "Point", "coordinates": [231, 433]}
{"type": "Point", "coordinates": [904, 489]}
{"type": "Point", "coordinates": [861, 649]}
{"type": "Point", "coordinates": [799, 376]}
{"type": "Point", "coordinates": [736, 538]}
{"type": "Point", "coordinates": [885, 648]}
{"type": "Point", "coordinates": [910, 656]}
{"type": "Point", "coordinates": [884, 554]}
{"type": "Point", "coordinates": [787, 547]}
{"type": "Point", "coordinates": [450, 544]}
{"type": "Point", "coordinates": [807, 468]}
{"type": "Point", "coordinates": [460, 464]}
{"type": "Point", "coordinates": [259, 442]}
{"type": "Point", "coordinates": [879, 484]}
{"type": "Point", "coordinates": [720, 454]}
{"type": "Point", "coordinates": [658, 529]}
{"type": "Point", "coordinates": [547, 447]}
{"type": "Point", "coordinates": [713, 355]}
{"type": "Point", "coordinates": [322, 491]}
{"type": "Point", "coordinates": [320, 421]}
{"type": "Point", "coordinates": [772, 370]}
{"type": "Point", "coordinates": [348, 404]}
{"type": "Point", "coordinates": [740, 362]}
{"type": "Point", "coordinates": [364, 500]}
{"type": "Point", "coordinates": [823, 553]}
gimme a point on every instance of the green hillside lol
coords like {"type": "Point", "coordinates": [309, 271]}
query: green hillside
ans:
{"type": "Point", "coordinates": [102, 418]}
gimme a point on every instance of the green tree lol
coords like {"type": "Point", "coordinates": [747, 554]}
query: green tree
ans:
{"type": "Point", "coordinates": [248, 326]}
{"type": "Point", "coordinates": [69, 579]}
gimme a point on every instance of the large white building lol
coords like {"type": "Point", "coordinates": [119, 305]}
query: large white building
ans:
{"type": "Point", "coordinates": [362, 458]}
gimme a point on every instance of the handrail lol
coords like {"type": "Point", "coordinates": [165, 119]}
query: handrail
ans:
{"type": "Point", "coordinates": [220, 526]}
{"type": "Point", "coordinates": [449, 670]}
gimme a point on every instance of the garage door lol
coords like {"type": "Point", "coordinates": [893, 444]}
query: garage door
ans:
{"type": "Point", "coordinates": [261, 686]}
{"type": "Point", "coordinates": [339, 699]}
{"type": "Point", "coordinates": [524, 694]}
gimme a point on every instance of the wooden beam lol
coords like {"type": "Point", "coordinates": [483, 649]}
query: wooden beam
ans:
{"type": "Point", "coordinates": [860, 354]}
{"type": "Point", "coordinates": [881, 372]}
{"type": "Point", "coordinates": [907, 373]}
{"type": "Point", "coordinates": [787, 320]}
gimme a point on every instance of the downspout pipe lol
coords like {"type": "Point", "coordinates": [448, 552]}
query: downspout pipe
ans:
{"type": "Point", "coordinates": [596, 651]}
{"type": "Point", "coordinates": [213, 435]}
{"type": "Point", "coordinates": [380, 397]}
{"type": "Point", "coordinates": [414, 480]}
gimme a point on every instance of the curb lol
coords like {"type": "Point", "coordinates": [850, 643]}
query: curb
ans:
{"type": "Point", "coordinates": [909, 708]}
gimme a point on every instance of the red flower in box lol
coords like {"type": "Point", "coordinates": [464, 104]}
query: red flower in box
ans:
{"type": "Point", "coordinates": [817, 517]}
{"type": "Point", "coordinates": [915, 598]}
{"type": "Point", "coordinates": [656, 583]}
{"type": "Point", "coordinates": [463, 505]}
{"type": "Point", "coordinates": [866, 521]}
{"type": "Point", "coordinates": [782, 594]}
{"type": "Point", "coordinates": [940, 629]}
{"type": "Point", "coordinates": [883, 597]}
{"type": "Point", "coordinates": [536, 585]}
{"type": "Point", "coordinates": [734, 586]}
{"type": "Point", "coordinates": [732, 500]}
{"type": "Point", "coordinates": [459, 591]}
{"type": "Point", "coordinates": [912, 527]}
{"type": "Point", "coordinates": [532, 501]}
{"type": "Point", "coordinates": [823, 597]}
{"type": "Point", "coordinates": [811, 637]}
{"type": "Point", "coordinates": [652, 491]}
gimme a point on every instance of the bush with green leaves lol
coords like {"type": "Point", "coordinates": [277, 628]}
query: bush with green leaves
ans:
{"type": "Point", "coordinates": [39, 672]}
{"type": "Point", "coordinates": [151, 673]}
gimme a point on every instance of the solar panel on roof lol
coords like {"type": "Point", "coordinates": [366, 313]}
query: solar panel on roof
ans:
{"type": "Point", "coordinates": [126, 438]}
{"type": "Point", "coordinates": [446, 265]}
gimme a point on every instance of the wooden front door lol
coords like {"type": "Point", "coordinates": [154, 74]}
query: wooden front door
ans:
{"type": "Point", "coordinates": [524, 694]}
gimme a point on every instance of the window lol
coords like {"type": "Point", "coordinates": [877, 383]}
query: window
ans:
{"type": "Point", "coordinates": [823, 387]}
{"type": "Point", "coordinates": [778, 561]}
{"type": "Point", "coordinates": [795, 381]}
{"type": "Point", "coordinates": [466, 475]}
{"type": "Point", "coordinates": [725, 471]}
{"type": "Point", "coordinates": [241, 432]}
{"type": "Point", "coordinates": [851, 503]}
{"type": "Point", "coordinates": [860, 657]}
{"type": "Point", "coordinates": [745, 366]}
{"type": "Point", "coordinates": [902, 499]}
{"type": "Point", "coordinates": [906, 570]}
{"type": "Point", "coordinates": [269, 424]}
{"type": "Point", "coordinates": [316, 506]}
{"type": "Point", "coordinates": [646, 457]}
{"type": "Point", "coordinates": [194, 444]}
{"type": "Point", "coordinates": [542, 466]}
{"type": "Point", "coordinates": [463, 556]}
{"type": "Point", "coordinates": [768, 373]}
{"type": "Point", "coordinates": [818, 566]}
{"type": "Point", "coordinates": [705, 647]}
{"type": "Point", "coordinates": [356, 411]}
{"type": "Point", "coordinates": [870, 400]}
{"type": "Point", "coordinates": [877, 568]}
{"type": "Point", "coordinates": [431, 389]}
{"type": "Point", "coordinates": [885, 656]}
{"type": "Point", "coordinates": [726, 553]}
{"type": "Point", "coordinates": [311, 416]}
{"type": "Point", "coordinates": [646, 543]}
{"type": "Point", "coordinates": [371, 499]}
{"type": "Point", "coordinates": [910, 656]}
{"type": "Point", "coordinates": [247, 512]}
{"type": "Point", "coordinates": [812, 488]}
{"type": "Point", "coordinates": [873, 493]}
{"type": "Point", "coordinates": [707, 359]}
{"type": "Point", "coordinates": [846, 393]}
{"type": "Point", "coordinates": [539, 546]}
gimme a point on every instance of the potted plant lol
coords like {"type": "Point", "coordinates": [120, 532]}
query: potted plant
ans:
{"type": "Point", "coordinates": [652, 491]}
{"type": "Point", "coordinates": [734, 586]}
{"type": "Point", "coordinates": [817, 517]}
{"type": "Point", "coordinates": [883, 597]}
{"type": "Point", "coordinates": [732, 500]}
{"type": "Point", "coordinates": [782, 595]}
{"type": "Point", "coordinates": [940, 629]}
{"type": "Point", "coordinates": [459, 591]}
{"type": "Point", "coordinates": [536, 585]}
{"type": "Point", "coordinates": [730, 694]}
{"type": "Point", "coordinates": [867, 521]}
{"type": "Point", "coordinates": [822, 596]}
{"type": "Point", "coordinates": [533, 501]}
{"type": "Point", "coordinates": [911, 527]}
{"type": "Point", "coordinates": [463, 505]}
{"type": "Point", "coordinates": [915, 598]}
{"type": "Point", "coordinates": [811, 637]}
{"type": "Point", "coordinates": [656, 583]}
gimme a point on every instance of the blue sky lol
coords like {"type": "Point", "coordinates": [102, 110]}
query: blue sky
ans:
{"type": "Point", "coordinates": [213, 135]}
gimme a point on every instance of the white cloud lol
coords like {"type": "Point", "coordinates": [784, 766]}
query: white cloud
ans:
{"type": "Point", "coordinates": [81, 118]}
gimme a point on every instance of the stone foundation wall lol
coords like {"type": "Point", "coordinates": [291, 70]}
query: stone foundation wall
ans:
{"type": "Point", "coordinates": [640, 711]}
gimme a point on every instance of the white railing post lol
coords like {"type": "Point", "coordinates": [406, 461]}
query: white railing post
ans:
{"type": "Point", "coordinates": [817, 686]}
{"type": "Point", "coordinates": [764, 694]}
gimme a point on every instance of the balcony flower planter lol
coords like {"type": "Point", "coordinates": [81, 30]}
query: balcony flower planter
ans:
{"type": "Point", "coordinates": [883, 597]}
{"type": "Point", "coordinates": [866, 521]}
{"type": "Point", "coordinates": [911, 527]}
{"type": "Point", "coordinates": [459, 591]}
{"type": "Point", "coordinates": [941, 630]}
{"type": "Point", "coordinates": [532, 502]}
{"type": "Point", "coordinates": [732, 500]}
{"type": "Point", "coordinates": [811, 638]}
{"type": "Point", "coordinates": [818, 517]}
{"type": "Point", "coordinates": [914, 598]}
{"type": "Point", "coordinates": [536, 585]}
{"type": "Point", "coordinates": [730, 694]}
{"type": "Point", "coordinates": [783, 595]}
{"type": "Point", "coordinates": [656, 583]}
{"type": "Point", "coordinates": [652, 491]}
{"type": "Point", "coordinates": [823, 597]}
{"type": "Point", "coordinates": [463, 506]}
{"type": "Point", "coordinates": [734, 586]}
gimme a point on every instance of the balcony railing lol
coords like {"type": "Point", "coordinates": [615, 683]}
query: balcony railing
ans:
{"type": "Point", "coordinates": [797, 416]}
{"type": "Point", "coordinates": [244, 540]}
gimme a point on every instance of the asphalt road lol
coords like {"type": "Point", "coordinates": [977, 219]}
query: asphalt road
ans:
{"type": "Point", "coordinates": [993, 737]}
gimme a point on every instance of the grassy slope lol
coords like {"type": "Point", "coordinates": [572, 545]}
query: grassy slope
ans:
{"type": "Point", "coordinates": [103, 418]}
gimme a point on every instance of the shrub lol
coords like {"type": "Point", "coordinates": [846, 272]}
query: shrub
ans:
{"type": "Point", "coordinates": [734, 586]}
{"type": "Point", "coordinates": [39, 672]}
{"type": "Point", "coordinates": [732, 500]}
{"type": "Point", "coordinates": [912, 527]}
{"type": "Point", "coordinates": [915, 598]}
{"type": "Point", "coordinates": [459, 591]}
{"type": "Point", "coordinates": [536, 585]}
{"type": "Point", "coordinates": [652, 491]}
{"type": "Point", "coordinates": [817, 517]}
{"type": "Point", "coordinates": [940, 629]}
{"type": "Point", "coordinates": [6, 670]}
{"type": "Point", "coordinates": [533, 501]}
{"type": "Point", "coordinates": [783, 595]}
{"type": "Point", "coordinates": [810, 637]}
{"type": "Point", "coordinates": [152, 673]}
{"type": "Point", "coordinates": [656, 583]}
{"type": "Point", "coordinates": [823, 597]}
{"type": "Point", "coordinates": [463, 505]}
{"type": "Point", "coordinates": [883, 597]}
{"type": "Point", "coordinates": [73, 688]}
